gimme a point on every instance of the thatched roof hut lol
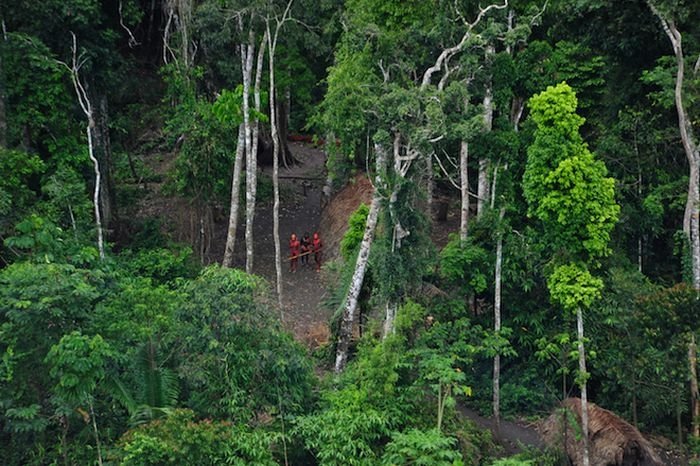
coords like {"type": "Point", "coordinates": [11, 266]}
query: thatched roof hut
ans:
{"type": "Point", "coordinates": [612, 440]}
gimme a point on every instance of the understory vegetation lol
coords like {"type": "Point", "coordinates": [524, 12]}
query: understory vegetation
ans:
{"type": "Point", "coordinates": [532, 234]}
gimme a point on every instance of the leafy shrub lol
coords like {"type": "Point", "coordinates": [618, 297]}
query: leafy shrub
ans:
{"type": "Point", "coordinates": [356, 230]}
{"type": "Point", "coordinates": [418, 447]}
{"type": "Point", "coordinates": [348, 432]}
{"type": "Point", "coordinates": [180, 439]}
{"type": "Point", "coordinates": [464, 266]}
{"type": "Point", "coordinates": [233, 358]}
{"type": "Point", "coordinates": [162, 265]}
{"type": "Point", "coordinates": [512, 462]}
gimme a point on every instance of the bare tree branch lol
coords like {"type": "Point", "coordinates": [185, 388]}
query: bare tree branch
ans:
{"type": "Point", "coordinates": [132, 40]}
{"type": "Point", "coordinates": [84, 101]}
{"type": "Point", "coordinates": [448, 52]}
{"type": "Point", "coordinates": [444, 171]}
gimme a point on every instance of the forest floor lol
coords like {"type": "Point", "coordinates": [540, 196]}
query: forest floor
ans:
{"type": "Point", "coordinates": [304, 291]}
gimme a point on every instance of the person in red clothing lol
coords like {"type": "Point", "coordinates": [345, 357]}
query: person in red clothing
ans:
{"type": "Point", "coordinates": [294, 246]}
{"type": "Point", "coordinates": [305, 248]}
{"type": "Point", "coordinates": [316, 247]}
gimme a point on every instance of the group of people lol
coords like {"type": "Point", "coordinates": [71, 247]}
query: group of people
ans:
{"type": "Point", "coordinates": [303, 248]}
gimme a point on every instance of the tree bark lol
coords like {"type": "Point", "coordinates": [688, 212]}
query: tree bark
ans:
{"type": "Point", "coordinates": [497, 327]}
{"type": "Point", "coordinates": [234, 202]}
{"type": "Point", "coordinates": [484, 164]}
{"type": "Point", "coordinates": [694, 394]}
{"type": "Point", "coordinates": [178, 12]}
{"type": "Point", "coordinates": [98, 446]}
{"type": "Point", "coordinates": [358, 276]}
{"type": "Point", "coordinates": [247, 59]}
{"type": "Point", "coordinates": [3, 113]}
{"type": "Point", "coordinates": [389, 319]}
{"type": "Point", "coordinates": [429, 183]}
{"type": "Point", "coordinates": [272, 46]}
{"type": "Point", "coordinates": [104, 155]}
{"type": "Point", "coordinates": [464, 189]}
{"type": "Point", "coordinates": [252, 155]}
{"type": "Point", "coordinates": [584, 392]}
{"type": "Point", "coordinates": [397, 233]}
{"type": "Point", "coordinates": [86, 106]}
{"type": "Point", "coordinates": [482, 187]}
{"type": "Point", "coordinates": [283, 132]}
{"type": "Point", "coordinates": [691, 219]}
{"type": "Point", "coordinates": [96, 192]}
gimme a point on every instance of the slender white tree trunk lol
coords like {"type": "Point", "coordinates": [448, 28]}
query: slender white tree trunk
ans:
{"type": "Point", "coordinates": [272, 45]}
{"type": "Point", "coordinates": [694, 393]}
{"type": "Point", "coordinates": [640, 241]}
{"type": "Point", "coordinates": [96, 192]}
{"type": "Point", "coordinates": [484, 165]}
{"type": "Point", "coordinates": [429, 183]}
{"type": "Point", "coordinates": [86, 106]}
{"type": "Point", "coordinates": [98, 445]}
{"type": "Point", "coordinates": [235, 196]}
{"type": "Point", "coordinates": [396, 234]}
{"type": "Point", "coordinates": [584, 391]}
{"type": "Point", "coordinates": [497, 327]}
{"type": "Point", "coordinates": [693, 212]}
{"type": "Point", "coordinates": [358, 276]}
{"type": "Point", "coordinates": [247, 52]}
{"type": "Point", "coordinates": [691, 219]}
{"type": "Point", "coordinates": [482, 187]}
{"type": "Point", "coordinates": [252, 157]}
{"type": "Point", "coordinates": [389, 319]}
{"type": "Point", "coordinates": [464, 189]}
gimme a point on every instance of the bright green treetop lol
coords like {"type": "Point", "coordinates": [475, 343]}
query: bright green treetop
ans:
{"type": "Point", "coordinates": [565, 185]}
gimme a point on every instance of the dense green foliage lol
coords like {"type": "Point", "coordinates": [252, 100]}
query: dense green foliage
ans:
{"type": "Point", "coordinates": [151, 356]}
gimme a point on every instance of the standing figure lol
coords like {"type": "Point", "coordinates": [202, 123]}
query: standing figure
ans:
{"type": "Point", "coordinates": [316, 247]}
{"type": "Point", "coordinates": [294, 246]}
{"type": "Point", "coordinates": [305, 248]}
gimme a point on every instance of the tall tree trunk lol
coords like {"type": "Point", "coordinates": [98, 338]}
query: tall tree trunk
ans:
{"type": "Point", "coordinates": [252, 159]}
{"type": "Point", "coordinates": [98, 446]}
{"type": "Point", "coordinates": [389, 318]}
{"type": "Point", "coordinates": [583, 386]}
{"type": "Point", "coordinates": [693, 213]}
{"type": "Point", "coordinates": [87, 108]}
{"type": "Point", "coordinates": [96, 192]}
{"type": "Point", "coordinates": [694, 394]}
{"type": "Point", "coordinates": [397, 233]}
{"type": "Point", "coordinates": [484, 164]}
{"type": "Point", "coordinates": [179, 17]}
{"type": "Point", "coordinates": [429, 183]}
{"type": "Point", "coordinates": [3, 113]}
{"type": "Point", "coordinates": [482, 187]}
{"type": "Point", "coordinates": [464, 188]}
{"type": "Point", "coordinates": [247, 58]}
{"type": "Point", "coordinates": [272, 46]}
{"type": "Point", "coordinates": [283, 131]}
{"type": "Point", "coordinates": [691, 219]}
{"type": "Point", "coordinates": [497, 326]}
{"type": "Point", "coordinates": [358, 275]}
{"type": "Point", "coordinates": [234, 202]}
{"type": "Point", "coordinates": [104, 155]}
{"type": "Point", "coordinates": [464, 183]}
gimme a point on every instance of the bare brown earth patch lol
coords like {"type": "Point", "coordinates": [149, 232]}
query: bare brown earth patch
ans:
{"type": "Point", "coordinates": [334, 219]}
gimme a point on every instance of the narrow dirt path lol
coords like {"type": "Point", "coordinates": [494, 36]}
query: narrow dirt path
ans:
{"type": "Point", "coordinates": [300, 198]}
{"type": "Point", "coordinates": [512, 436]}
{"type": "Point", "coordinates": [300, 212]}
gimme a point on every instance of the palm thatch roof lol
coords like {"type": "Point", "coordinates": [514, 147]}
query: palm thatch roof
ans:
{"type": "Point", "coordinates": [612, 440]}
